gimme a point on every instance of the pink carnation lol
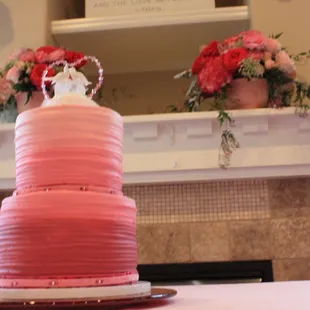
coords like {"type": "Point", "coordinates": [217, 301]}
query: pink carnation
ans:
{"type": "Point", "coordinates": [49, 54]}
{"type": "Point", "coordinates": [6, 90]}
{"type": "Point", "coordinates": [57, 55]}
{"type": "Point", "coordinates": [27, 55]}
{"type": "Point", "coordinates": [273, 46]}
{"type": "Point", "coordinates": [13, 74]}
{"type": "Point", "coordinates": [214, 76]}
{"type": "Point", "coordinates": [229, 43]}
{"type": "Point", "coordinates": [285, 63]}
{"type": "Point", "coordinates": [41, 57]}
{"type": "Point", "coordinates": [254, 39]}
{"type": "Point", "coordinates": [258, 55]}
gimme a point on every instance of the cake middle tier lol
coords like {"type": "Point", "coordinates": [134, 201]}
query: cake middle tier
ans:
{"type": "Point", "coordinates": [69, 144]}
{"type": "Point", "coordinates": [68, 234]}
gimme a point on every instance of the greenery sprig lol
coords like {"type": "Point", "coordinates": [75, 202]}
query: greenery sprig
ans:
{"type": "Point", "coordinates": [228, 141]}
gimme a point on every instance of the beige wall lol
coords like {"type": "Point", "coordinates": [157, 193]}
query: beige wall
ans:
{"type": "Point", "coordinates": [25, 23]}
{"type": "Point", "coordinates": [154, 91]}
{"type": "Point", "coordinates": [288, 16]}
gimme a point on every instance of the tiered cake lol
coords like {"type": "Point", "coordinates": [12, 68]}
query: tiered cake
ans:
{"type": "Point", "coordinates": [68, 224]}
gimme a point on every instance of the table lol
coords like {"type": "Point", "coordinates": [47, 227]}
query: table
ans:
{"type": "Point", "coordinates": [252, 296]}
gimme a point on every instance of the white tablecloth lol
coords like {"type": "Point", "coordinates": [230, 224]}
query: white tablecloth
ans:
{"type": "Point", "coordinates": [255, 296]}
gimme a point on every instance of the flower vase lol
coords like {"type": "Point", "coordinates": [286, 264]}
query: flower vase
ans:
{"type": "Point", "coordinates": [8, 114]}
{"type": "Point", "coordinates": [247, 94]}
{"type": "Point", "coordinates": [35, 101]}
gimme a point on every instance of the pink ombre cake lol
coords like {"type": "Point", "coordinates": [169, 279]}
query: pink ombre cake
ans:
{"type": "Point", "coordinates": [68, 224]}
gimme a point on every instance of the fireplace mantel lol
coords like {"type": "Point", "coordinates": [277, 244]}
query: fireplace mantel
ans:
{"type": "Point", "coordinates": [184, 147]}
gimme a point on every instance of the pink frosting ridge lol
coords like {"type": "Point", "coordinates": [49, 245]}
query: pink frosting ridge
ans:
{"type": "Point", "coordinates": [68, 223]}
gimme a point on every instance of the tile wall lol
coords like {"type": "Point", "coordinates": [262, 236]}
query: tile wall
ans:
{"type": "Point", "coordinates": [227, 221]}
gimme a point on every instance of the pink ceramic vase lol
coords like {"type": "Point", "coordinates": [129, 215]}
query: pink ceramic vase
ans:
{"type": "Point", "coordinates": [245, 94]}
{"type": "Point", "coordinates": [34, 102]}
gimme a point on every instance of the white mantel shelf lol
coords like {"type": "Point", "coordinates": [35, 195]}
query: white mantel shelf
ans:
{"type": "Point", "coordinates": [184, 147]}
{"type": "Point", "coordinates": [125, 44]}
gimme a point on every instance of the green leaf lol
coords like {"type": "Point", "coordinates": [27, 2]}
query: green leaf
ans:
{"type": "Point", "coordinates": [29, 95]}
{"type": "Point", "coordinates": [8, 66]}
{"type": "Point", "coordinates": [171, 109]}
{"type": "Point", "coordinates": [278, 35]}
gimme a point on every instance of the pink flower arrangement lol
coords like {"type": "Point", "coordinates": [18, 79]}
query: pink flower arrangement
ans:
{"type": "Point", "coordinates": [250, 55]}
{"type": "Point", "coordinates": [22, 71]}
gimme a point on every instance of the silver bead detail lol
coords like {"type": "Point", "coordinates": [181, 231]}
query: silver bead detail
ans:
{"type": "Point", "coordinates": [83, 188]}
{"type": "Point", "coordinates": [53, 283]}
{"type": "Point", "coordinates": [47, 189]}
{"type": "Point", "coordinates": [15, 194]}
{"type": "Point", "coordinates": [99, 281]}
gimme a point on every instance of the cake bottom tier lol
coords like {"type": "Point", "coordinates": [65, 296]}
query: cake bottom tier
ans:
{"type": "Point", "coordinates": [67, 239]}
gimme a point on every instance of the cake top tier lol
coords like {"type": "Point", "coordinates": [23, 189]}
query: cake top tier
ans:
{"type": "Point", "coordinates": [71, 84]}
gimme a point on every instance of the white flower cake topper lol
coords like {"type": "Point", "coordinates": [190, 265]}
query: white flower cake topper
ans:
{"type": "Point", "coordinates": [70, 81]}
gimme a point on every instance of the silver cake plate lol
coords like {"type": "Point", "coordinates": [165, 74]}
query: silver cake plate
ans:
{"type": "Point", "coordinates": [158, 295]}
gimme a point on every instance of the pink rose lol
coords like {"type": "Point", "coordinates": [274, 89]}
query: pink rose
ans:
{"type": "Point", "coordinates": [273, 46]}
{"type": "Point", "coordinates": [285, 63]}
{"type": "Point", "coordinates": [269, 64]}
{"type": "Point", "coordinates": [13, 74]}
{"type": "Point", "coordinates": [6, 90]}
{"type": "Point", "coordinates": [27, 55]}
{"type": "Point", "coordinates": [254, 39]}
